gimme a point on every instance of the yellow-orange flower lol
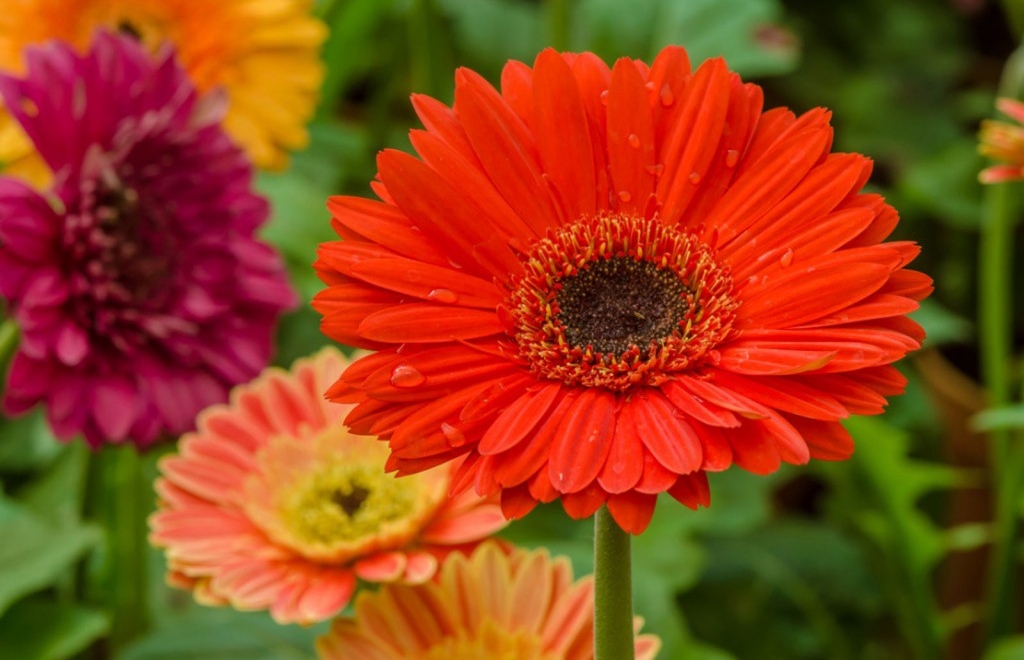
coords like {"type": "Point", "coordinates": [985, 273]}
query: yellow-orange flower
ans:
{"type": "Point", "coordinates": [1003, 142]}
{"type": "Point", "coordinates": [272, 504]}
{"type": "Point", "coordinates": [263, 53]}
{"type": "Point", "coordinates": [488, 606]}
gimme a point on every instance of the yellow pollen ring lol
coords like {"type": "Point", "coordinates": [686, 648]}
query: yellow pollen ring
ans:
{"type": "Point", "coordinates": [327, 497]}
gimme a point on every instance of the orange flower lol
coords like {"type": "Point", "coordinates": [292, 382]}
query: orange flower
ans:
{"type": "Point", "coordinates": [264, 53]}
{"type": "Point", "coordinates": [600, 283]}
{"type": "Point", "coordinates": [493, 606]}
{"type": "Point", "coordinates": [272, 504]}
{"type": "Point", "coordinates": [1003, 142]}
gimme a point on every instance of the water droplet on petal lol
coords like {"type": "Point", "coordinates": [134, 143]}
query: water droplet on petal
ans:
{"type": "Point", "coordinates": [649, 85]}
{"type": "Point", "coordinates": [604, 97]}
{"type": "Point", "coordinates": [731, 158]}
{"type": "Point", "coordinates": [694, 178]}
{"type": "Point", "coordinates": [656, 170]}
{"type": "Point", "coordinates": [619, 468]}
{"type": "Point", "coordinates": [454, 435]}
{"type": "Point", "coordinates": [405, 375]}
{"type": "Point", "coordinates": [625, 196]}
{"type": "Point", "coordinates": [443, 295]}
{"type": "Point", "coordinates": [787, 258]}
{"type": "Point", "coordinates": [666, 95]}
{"type": "Point", "coordinates": [634, 140]}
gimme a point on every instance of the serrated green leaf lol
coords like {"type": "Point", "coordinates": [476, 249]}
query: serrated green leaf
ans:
{"type": "Point", "coordinates": [33, 553]}
{"type": "Point", "coordinates": [35, 629]}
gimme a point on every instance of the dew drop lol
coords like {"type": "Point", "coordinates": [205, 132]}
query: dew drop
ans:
{"type": "Point", "coordinates": [649, 85]}
{"type": "Point", "coordinates": [454, 435]}
{"type": "Point", "coordinates": [604, 97]}
{"type": "Point", "coordinates": [656, 170]}
{"type": "Point", "coordinates": [787, 258]}
{"type": "Point", "coordinates": [625, 196]}
{"type": "Point", "coordinates": [731, 158]}
{"type": "Point", "coordinates": [405, 375]}
{"type": "Point", "coordinates": [666, 96]}
{"type": "Point", "coordinates": [443, 295]}
{"type": "Point", "coordinates": [634, 140]}
{"type": "Point", "coordinates": [694, 178]}
{"type": "Point", "coordinates": [619, 468]}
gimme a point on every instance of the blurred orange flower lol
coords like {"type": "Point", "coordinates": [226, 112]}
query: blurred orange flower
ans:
{"type": "Point", "coordinates": [272, 504]}
{"type": "Point", "coordinates": [264, 53]}
{"type": "Point", "coordinates": [521, 606]}
{"type": "Point", "coordinates": [1004, 142]}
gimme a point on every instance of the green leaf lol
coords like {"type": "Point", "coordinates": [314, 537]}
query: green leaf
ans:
{"type": "Point", "coordinates": [878, 491]}
{"type": "Point", "coordinates": [26, 443]}
{"type": "Point", "coordinates": [1011, 648]}
{"type": "Point", "coordinates": [744, 32]}
{"type": "Point", "coordinates": [223, 634]}
{"type": "Point", "coordinates": [56, 495]}
{"type": "Point", "coordinates": [1011, 416]}
{"type": "Point", "coordinates": [35, 629]}
{"type": "Point", "coordinates": [34, 554]}
{"type": "Point", "coordinates": [942, 325]}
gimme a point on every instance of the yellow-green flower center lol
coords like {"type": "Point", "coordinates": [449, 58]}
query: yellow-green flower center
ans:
{"type": "Point", "coordinates": [345, 502]}
{"type": "Point", "coordinates": [328, 498]}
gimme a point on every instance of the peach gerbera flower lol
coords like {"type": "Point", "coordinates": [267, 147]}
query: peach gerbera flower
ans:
{"type": "Point", "coordinates": [1003, 142]}
{"type": "Point", "coordinates": [272, 504]}
{"type": "Point", "coordinates": [520, 606]}
{"type": "Point", "coordinates": [264, 53]}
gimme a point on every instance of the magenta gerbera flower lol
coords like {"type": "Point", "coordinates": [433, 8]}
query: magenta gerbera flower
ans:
{"type": "Point", "coordinates": [141, 292]}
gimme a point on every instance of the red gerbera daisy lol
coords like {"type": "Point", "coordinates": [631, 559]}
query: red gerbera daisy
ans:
{"type": "Point", "coordinates": [600, 283]}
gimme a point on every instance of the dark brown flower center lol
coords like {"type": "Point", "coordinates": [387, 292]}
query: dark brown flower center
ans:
{"type": "Point", "coordinates": [618, 303]}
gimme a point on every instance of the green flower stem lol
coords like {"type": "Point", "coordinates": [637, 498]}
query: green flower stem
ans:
{"type": "Point", "coordinates": [613, 590]}
{"type": "Point", "coordinates": [995, 300]}
{"type": "Point", "coordinates": [120, 499]}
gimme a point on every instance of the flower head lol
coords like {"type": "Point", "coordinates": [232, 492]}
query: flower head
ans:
{"type": "Point", "coordinates": [263, 54]}
{"type": "Point", "coordinates": [1004, 142]}
{"type": "Point", "coordinates": [598, 284]}
{"type": "Point", "coordinates": [140, 289]}
{"type": "Point", "coordinates": [518, 606]}
{"type": "Point", "coordinates": [272, 504]}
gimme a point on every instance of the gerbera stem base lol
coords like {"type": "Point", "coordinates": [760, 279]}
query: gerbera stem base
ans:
{"type": "Point", "coordinates": [613, 589]}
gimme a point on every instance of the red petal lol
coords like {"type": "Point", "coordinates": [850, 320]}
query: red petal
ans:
{"type": "Point", "coordinates": [516, 422]}
{"type": "Point", "coordinates": [385, 225]}
{"type": "Point", "coordinates": [692, 490]}
{"type": "Point", "coordinates": [584, 503]}
{"type": "Point", "coordinates": [423, 322]}
{"type": "Point", "coordinates": [434, 283]}
{"type": "Point", "coordinates": [828, 441]}
{"type": "Point", "coordinates": [693, 141]}
{"type": "Point", "coordinates": [784, 393]}
{"type": "Point", "coordinates": [670, 439]}
{"type": "Point", "coordinates": [697, 408]}
{"type": "Point", "coordinates": [563, 134]}
{"type": "Point", "coordinates": [516, 502]}
{"type": "Point", "coordinates": [441, 211]}
{"type": "Point", "coordinates": [583, 440]}
{"type": "Point", "coordinates": [625, 462]}
{"type": "Point", "coordinates": [506, 149]}
{"type": "Point", "coordinates": [632, 511]}
{"type": "Point", "coordinates": [631, 156]}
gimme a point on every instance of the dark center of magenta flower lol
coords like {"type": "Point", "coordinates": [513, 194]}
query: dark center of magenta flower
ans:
{"type": "Point", "coordinates": [119, 256]}
{"type": "Point", "coordinates": [620, 301]}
